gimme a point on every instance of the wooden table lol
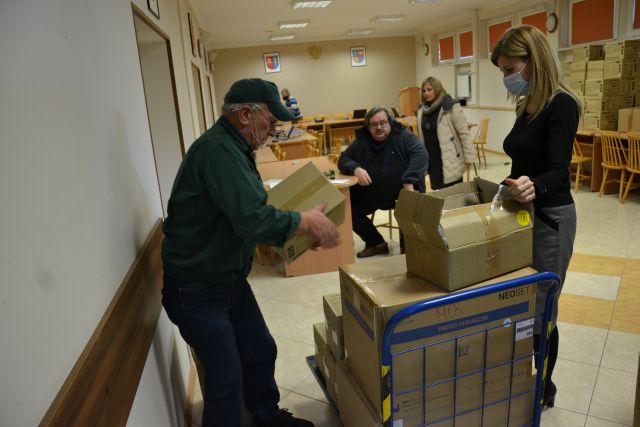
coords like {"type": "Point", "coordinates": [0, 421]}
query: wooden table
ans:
{"type": "Point", "coordinates": [321, 260]}
{"type": "Point", "coordinates": [333, 128]}
{"type": "Point", "coordinates": [294, 147]}
{"type": "Point", "coordinates": [591, 145]}
{"type": "Point", "coordinates": [265, 155]}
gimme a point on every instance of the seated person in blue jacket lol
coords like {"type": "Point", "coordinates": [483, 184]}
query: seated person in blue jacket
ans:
{"type": "Point", "coordinates": [291, 103]}
{"type": "Point", "coordinates": [385, 157]}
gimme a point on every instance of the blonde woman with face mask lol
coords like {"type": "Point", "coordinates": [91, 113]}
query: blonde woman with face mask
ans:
{"type": "Point", "coordinates": [540, 145]}
{"type": "Point", "coordinates": [443, 129]}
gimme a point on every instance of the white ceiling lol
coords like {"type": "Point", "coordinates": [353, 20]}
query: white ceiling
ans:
{"type": "Point", "coordinates": [242, 23]}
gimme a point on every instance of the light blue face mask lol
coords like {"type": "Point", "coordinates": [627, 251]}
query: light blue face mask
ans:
{"type": "Point", "coordinates": [515, 84]}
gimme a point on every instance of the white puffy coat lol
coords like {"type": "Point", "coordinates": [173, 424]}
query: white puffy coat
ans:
{"type": "Point", "coordinates": [456, 142]}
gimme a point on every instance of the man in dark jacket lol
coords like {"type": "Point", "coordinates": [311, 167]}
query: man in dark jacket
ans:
{"type": "Point", "coordinates": [216, 214]}
{"type": "Point", "coordinates": [385, 157]}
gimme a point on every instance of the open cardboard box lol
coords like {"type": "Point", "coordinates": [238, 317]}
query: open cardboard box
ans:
{"type": "Point", "coordinates": [454, 239]}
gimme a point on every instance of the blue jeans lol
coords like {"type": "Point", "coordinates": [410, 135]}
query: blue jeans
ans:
{"type": "Point", "coordinates": [224, 326]}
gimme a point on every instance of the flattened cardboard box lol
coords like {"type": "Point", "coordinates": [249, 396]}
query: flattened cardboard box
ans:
{"type": "Point", "coordinates": [300, 191]}
{"type": "Point", "coordinates": [332, 305]}
{"type": "Point", "coordinates": [454, 239]}
{"type": "Point", "coordinates": [373, 292]}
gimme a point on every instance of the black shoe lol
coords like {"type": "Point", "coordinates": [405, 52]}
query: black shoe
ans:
{"type": "Point", "coordinates": [549, 395]}
{"type": "Point", "coordinates": [368, 251]}
{"type": "Point", "coordinates": [284, 418]}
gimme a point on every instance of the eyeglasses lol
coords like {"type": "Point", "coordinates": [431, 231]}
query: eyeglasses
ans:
{"type": "Point", "coordinates": [379, 125]}
{"type": "Point", "coordinates": [257, 108]}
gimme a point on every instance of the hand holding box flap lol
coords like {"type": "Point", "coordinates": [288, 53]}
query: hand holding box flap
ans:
{"type": "Point", "coordinates": [300, 191]}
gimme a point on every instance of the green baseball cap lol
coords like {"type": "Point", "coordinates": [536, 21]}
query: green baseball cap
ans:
{"type": "Point", "coordinates": [259, 91]}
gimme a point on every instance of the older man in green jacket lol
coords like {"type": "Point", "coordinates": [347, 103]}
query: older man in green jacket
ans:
{"type": "Point", "coordinates": [216, 214]}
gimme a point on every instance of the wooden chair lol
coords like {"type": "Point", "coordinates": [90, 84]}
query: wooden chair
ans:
{"type": "Point", "coordinates": [633, 162]}
{"type": "Point", "coordinates": [388, 224]}
{"type": "Point", "coordinates": [577, 159]}
{"type": "Point", "coordinates": [614, 157]}
{"type": "Point", "coordinates": [333, 158]}
{"type": "Point", "coordinates": [481, 140]}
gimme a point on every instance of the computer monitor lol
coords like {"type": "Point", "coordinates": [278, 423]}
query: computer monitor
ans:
{"type": "Point", "coordinates": [360, 113]}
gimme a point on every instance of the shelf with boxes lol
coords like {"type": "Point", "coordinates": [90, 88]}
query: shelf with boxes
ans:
{"type": "Point", "coordinates": [608, 78]}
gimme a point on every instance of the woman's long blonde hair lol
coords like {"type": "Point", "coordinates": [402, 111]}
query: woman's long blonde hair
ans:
{"type": "Point", "coordinates": [531, 44]}
{"type": "Point", "coordinates": [436, 85]}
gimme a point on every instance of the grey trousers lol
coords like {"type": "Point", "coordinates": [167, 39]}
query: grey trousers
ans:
{"type": "Point", "coordinates": [554, 231]}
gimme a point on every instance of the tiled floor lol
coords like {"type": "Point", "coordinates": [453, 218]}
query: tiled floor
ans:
{"type": "Point", "coordinates": [599, 323]}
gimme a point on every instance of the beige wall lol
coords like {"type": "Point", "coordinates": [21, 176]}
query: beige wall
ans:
{"type": "Point", "coordinates": [329, 84]}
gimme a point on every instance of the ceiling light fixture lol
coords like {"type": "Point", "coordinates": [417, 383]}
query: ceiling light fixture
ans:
{"type": "Point", "coordinates": [292, 24]}
{"type": "Point", "coordinates": [304, 4]}
{"type": "Point", "coordinates": [387, 19]}
{"type": "Point", "coordinates": [274, 37]}
{"type": "Point", "coordinates": [359, 32]}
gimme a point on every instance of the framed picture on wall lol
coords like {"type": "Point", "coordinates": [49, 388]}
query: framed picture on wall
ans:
{"type": "Point", "coordinates": [154, 8]}
{"type": "Point", "coordinates": [271, 62]}
{"type": "Point", "coordinates": [358, 56]}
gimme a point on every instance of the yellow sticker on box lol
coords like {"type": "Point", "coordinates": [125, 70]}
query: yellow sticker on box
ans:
{"type": "Point", "coordinates": [524, 218]}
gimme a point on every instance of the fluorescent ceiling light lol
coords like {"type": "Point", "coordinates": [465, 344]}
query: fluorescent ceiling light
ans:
{"type": "Point", "coordinates": [359, 32]}
{"type": "Point", "coordinates": [273, 37]}
{"type": "Point", "coordinates": [292, 24]}
{"type": "Point", "coordinates": [303, 4]}
{"type": "Point", "coordinates": [387, 19]}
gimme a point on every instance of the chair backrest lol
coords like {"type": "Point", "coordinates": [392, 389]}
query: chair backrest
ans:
{"type": "Point", "coordinates": [576, 151]}
{"type": "Point", "coordinates": [481, 135]}
{"type": "Point", "coordinates": [613, 154]}
{"type": "Point", "coordinates": [633, 162]}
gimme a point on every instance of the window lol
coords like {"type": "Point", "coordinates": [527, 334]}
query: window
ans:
{"type": "Point", "coordinates": [496, 30]}
{"type": "Point", "coordinates": [592, 21]}
{"type": "Point", "coordinates": [538, 20]}
{"type": "Point", "coordinates": [445, 49]}
{"type": "Point", "coordinates": [465, 41]}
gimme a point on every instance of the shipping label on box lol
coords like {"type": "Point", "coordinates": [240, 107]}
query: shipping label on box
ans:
{"type": "Point", "coordinates": [455, 238]}
{"type": "Point", "coordinates": [300, 191]}
{"type": "Point", "coordinates": [373, 292]}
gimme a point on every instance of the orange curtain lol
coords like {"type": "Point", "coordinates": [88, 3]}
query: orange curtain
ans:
{"type": "Point", "coordinates": [496, 31]}
{"type": "Point", "coordinates": [446, 48]}
{"type": "Point", "coordinates": [466, 44]}
{"type": "Point", "coordinates": [538, 20]}
{"type": "Point", "coordinates": [591, 21]}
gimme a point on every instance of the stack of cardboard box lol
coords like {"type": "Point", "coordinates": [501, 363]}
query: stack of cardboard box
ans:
{"type": "Point", "coordinates": [461, 360]}
{"type": "Point", "coordinates": [609, 79]}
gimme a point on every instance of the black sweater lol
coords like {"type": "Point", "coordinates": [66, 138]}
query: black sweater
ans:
{"type": "Point", "coordinates": [542, 149]}
{"type": "Point", "coordinates": [399, 159]}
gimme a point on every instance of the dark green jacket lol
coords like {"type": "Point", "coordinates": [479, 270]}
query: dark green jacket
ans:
{"type": "Point", "coordinates": [217, 210]}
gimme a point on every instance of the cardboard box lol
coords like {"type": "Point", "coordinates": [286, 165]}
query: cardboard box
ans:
{"type": "Point", "coordinates": [355, 410]}
{"type": "Point", "coordinates": [373, 292]}
{"type": "Point", "coordinates": [634, 121]}
{"type": "Point", "coordinates": [454, 239]}
{"type": "Point", "coordinates": [624, 119]}
{"type": "Point", "coordinates": [577, 84]}
{"type": "Point", "coordinates": [595, 69]}
{"type": "Point", "coordinates": [332, 305]}
{"type": "Point", "coordinates": [300, 191]}
{"type": "Point", "coordinates": [578, 70]}
{"type": "Point", "coordinates": [628, 49]}
{"type": "Point", "coordinates": [592, 52]}
{"type": "Point", "coordinates": [625, 68]}
{"type": "Point", "coordinates": [324, 359]}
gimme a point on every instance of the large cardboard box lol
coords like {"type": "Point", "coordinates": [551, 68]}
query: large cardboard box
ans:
{"type": "Point", "coordinates": [332, 305]}
{"type": "Point", "coordinates": [628, 49]}
{"type": "Point", "coordinates": [588, 53]}
{"type": "Point", "coordinates": [453, 237]}
{"type": "Point", "coordinates": [373, 292]}
{"type": "Point", "coordinates": [625, 68]}
{"type": "Point", "coordinates": [355, 410]}
{"type": "Point", "coordinates": [595, 69]}
{"type": "Point", "coordinates": [300, 191]}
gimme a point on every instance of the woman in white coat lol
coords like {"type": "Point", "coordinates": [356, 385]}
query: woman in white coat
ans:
{"type": "Point", "coordinates": [443, 129]}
